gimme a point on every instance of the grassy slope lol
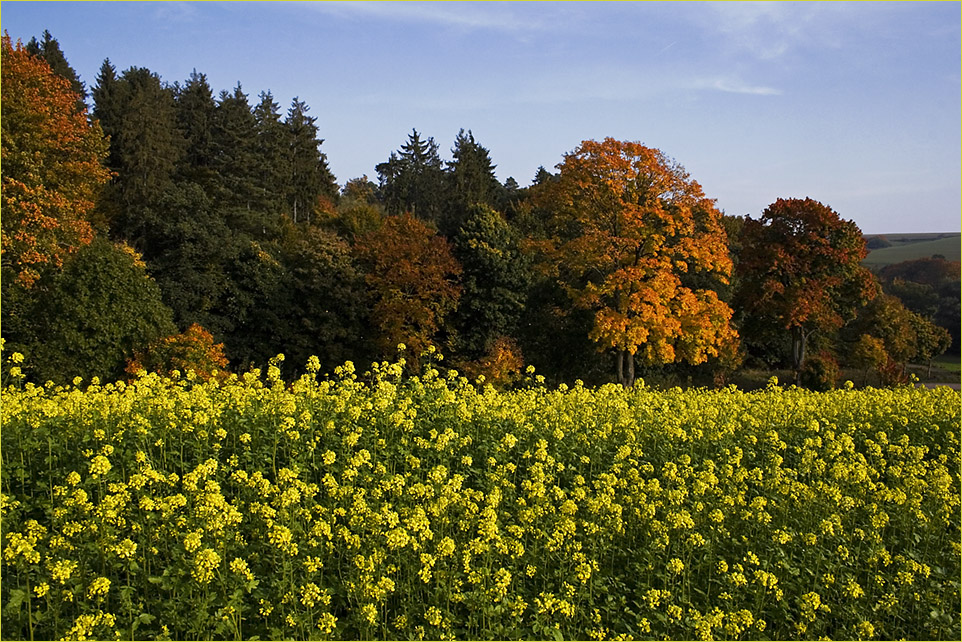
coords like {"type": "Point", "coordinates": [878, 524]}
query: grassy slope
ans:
{"type": "Point", "coordinates": [906, 247]}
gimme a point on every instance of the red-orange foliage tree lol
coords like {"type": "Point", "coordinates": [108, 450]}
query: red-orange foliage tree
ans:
{"type": "Point", "coordinates": [52, 166]}
{"type": "Point", "coordinates": [801, 269]}
{"type": "Point", "coordinates": [640, 245]}
{"type": "Point", "coordinates": [192, 350]}
{"type": "Point", "coordinates": [412, 275]}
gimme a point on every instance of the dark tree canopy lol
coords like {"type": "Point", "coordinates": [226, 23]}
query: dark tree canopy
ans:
{"type": "Point", "coordinates": [495, 278]}
{"type": "Point", "coordinates": [471, 181]}
{"type": "Point", "coordinates": [802, 271]}
{"type": "Point", "coordinates": [89, 318]}
{"type": "Point", "coordinates": [412, 179]}
{"type": "Point", "coordinates": [308, 177]}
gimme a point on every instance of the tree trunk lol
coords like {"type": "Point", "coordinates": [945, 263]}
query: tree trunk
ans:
{"type": "Point", "coordinates": [799, 341]}
{"type": "Point", "coordinates": [625, 367]}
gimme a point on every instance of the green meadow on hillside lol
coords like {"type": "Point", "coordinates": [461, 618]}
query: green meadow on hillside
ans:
{"type": "Point", "coordinates": [907, 247]}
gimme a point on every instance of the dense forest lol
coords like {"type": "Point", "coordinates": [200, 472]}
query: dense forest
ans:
{"type": "Point", "coordinates": [160, 225]}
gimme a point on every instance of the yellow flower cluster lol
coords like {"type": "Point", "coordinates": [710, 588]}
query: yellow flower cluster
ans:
{"type": "Point", "coordinates": [382, 506]}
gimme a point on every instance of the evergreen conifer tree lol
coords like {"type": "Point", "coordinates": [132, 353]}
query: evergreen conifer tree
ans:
{"type": "Point", "coordinates": [195, 116]}
{"type": "Point", "coordinates": [471, 179]}
{"type": "Point", "coordinates": [412, 180]}
{"type": "Point", "coordinates": [148, 147]}
{"type": "Point", "coordinates": [234, 136]}
{"type": "Point", "coordinates": [271, 151]}
{"type": "Point", "coordinates": [309, 177]}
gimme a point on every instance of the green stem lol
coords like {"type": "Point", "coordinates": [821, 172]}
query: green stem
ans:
{"type": "Point", "coordinates": [29, 607]}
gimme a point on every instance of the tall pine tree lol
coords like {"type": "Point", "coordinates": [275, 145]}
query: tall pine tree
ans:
{"type": "Point", "coordinates": [309, 177]}
{"type": "Point", "coordinates": [471, 179]}
{"type": "Point", "coordinates": [146, 146]}
{"type": "Point", "coordinates": [195, 116]}
{"type": "Point", "coordinates": [412, 180]}
{"type": "Point", "coordinates": [107, 108]}
{"type": "Point", "coordinates": [271, 150]}
{"type": "Point", "coordinates": [236, 161]}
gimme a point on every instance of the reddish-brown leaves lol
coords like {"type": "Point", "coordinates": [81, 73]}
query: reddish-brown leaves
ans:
{"type": "Point", "coordinates": [51, 164]}
{"type": "Point", "coordinates": [412, 274]}
{"type": "Point", "coordinates": [803, 264]}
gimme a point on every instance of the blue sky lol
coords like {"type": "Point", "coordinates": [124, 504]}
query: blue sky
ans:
{"type": "Point", "coordinates": [856, 105]}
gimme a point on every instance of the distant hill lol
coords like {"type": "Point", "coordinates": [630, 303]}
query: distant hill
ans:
{"type": "Point", "coordinates": [906, 247]}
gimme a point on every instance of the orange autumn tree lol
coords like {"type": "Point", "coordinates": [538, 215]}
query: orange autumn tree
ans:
{"type": "Point", "coordinates": [639, 244]}
{"type": "Point", "coordinates": [52, 166]}
{"type": "Point", "coordinates": [412, 276]}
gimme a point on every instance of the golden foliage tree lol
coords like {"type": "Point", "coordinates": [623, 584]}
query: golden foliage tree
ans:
{"type": "Point", "coordinates": [639, 244]}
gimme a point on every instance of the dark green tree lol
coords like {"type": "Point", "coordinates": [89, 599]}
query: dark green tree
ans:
{"type": "Point", "coordinates": [495, 279]}
{"type": "Point", "coordinates": [320, 300]}
{"type": "Point", "coordinates": [255, 274]}
{"type": "Point", "coordinates": [190, 250]}
{"type": "Point", "coordinates": [146, 148]}
{"type": "Point", "coordinates": [271, 151]}
{"type": "Point", "coordinates": [543, 176]}
{"type": "Point", "coordinates": [308, 176]}
{"type": "Point", "coordinates": [511, 196]}
{"type": "Point", "coordinates": [107, 108]}
{"type": "Point", "coordinates": [195, 119]}
{"type": "Point", "coordinates": [238, 167]}
{"type": "Point", "coordinates": [87, 319]}
{"type": "Point", "coordinates": [412, 179]}
{"type": "Point", "coordinates": [391, 188]}
{"type": "Point", "coordinates": [471, 181]}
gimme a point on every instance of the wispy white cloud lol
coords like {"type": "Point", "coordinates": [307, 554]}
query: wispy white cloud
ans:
{"type": "Point", "coordinates": [498, 16]}
{"type": "Point", "coordinates": [735, 86]}
{"type": "Point", "coordinates": [179, 12]}
{"type": "Point", "coordinates": [771, 30]}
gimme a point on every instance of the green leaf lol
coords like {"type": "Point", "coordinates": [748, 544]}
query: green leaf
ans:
{"type": "Point", "coordinates": [17, 596]}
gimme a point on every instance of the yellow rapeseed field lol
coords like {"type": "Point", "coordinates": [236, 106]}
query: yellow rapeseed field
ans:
{"type": "Point", "coordinates": [380, 506]}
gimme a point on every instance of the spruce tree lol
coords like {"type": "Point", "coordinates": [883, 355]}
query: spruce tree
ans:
{"type": "Point", "coordinates": [271, 151]}
{"type": "Point", "coordinates": [195, 116]}
{"type": "Point", "coordinates": [107, 107]}
{"type": "Point", "coordinates": [309, 177]}
{"type": "Point", "coordinates": [234, 136]}
{"type": "Point", "coordinates": [139, 113]}
{"type": "Point", "coordinates": [471, 180]}
{"type": "Point", "coordinates": [412, 180]}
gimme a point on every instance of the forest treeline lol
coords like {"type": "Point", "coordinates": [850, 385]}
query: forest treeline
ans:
{"type": "Point", "coordinates": [157, 225]}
